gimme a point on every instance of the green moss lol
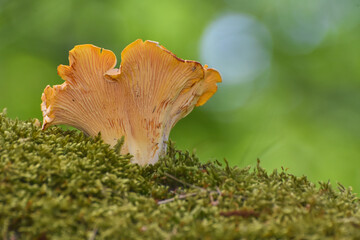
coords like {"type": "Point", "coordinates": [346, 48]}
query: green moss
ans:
{"type": "Point", "coordinates": [58, 184]}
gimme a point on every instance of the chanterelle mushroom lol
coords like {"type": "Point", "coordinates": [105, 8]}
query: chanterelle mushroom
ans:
{"type": "Point", "coordinates": [142, 100]}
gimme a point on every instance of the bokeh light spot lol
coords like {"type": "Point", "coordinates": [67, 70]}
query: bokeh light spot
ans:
{"type": "Point", "coordinates": [239, 47]}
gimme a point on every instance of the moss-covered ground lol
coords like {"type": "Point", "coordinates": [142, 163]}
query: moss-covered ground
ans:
{"type": "Point", "coordinates": [58, 184]}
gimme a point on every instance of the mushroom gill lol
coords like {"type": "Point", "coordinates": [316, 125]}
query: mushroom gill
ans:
{"type": "Point", "coordinates": [142, 100]}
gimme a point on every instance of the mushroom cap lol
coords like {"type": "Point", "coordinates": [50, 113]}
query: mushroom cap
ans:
{"type": "Point", "coordinates": [141, 100]}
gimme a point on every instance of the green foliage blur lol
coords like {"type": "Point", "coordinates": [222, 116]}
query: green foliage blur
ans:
{"type": "Point", "coordinates": [291, 71]}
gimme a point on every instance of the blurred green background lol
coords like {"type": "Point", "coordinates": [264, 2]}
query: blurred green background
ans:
{"type": "Point", "coordinates": [291, 71]}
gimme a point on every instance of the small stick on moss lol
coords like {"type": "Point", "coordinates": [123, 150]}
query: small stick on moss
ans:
{"type": "Point", "coordinates": [92, 237]}
{"type": "Point", "coordinates": [185, 183]}
{"type": "Point", "coordinates": [182, 196]}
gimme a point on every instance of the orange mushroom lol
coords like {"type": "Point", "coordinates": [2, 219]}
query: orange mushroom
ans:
{"type": "Point", "coordinates": [142, 100]}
